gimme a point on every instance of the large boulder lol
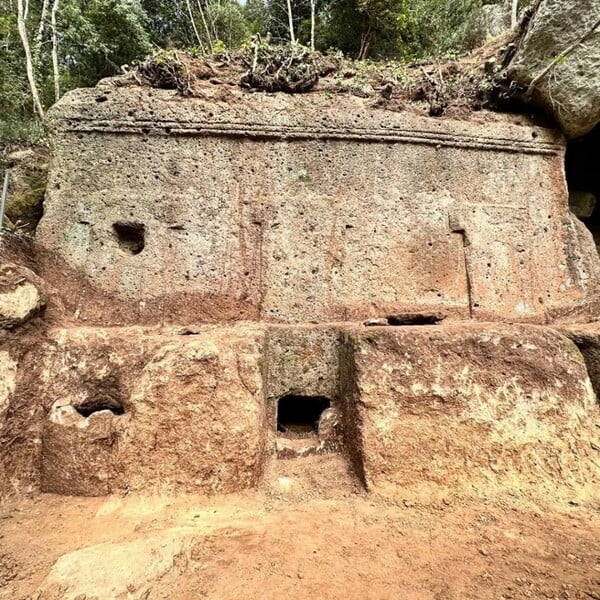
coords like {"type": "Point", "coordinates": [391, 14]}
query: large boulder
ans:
{"type": "Point", "coordinates": [557, 61]}
{"type": "Point", "coordinates": [28, 177]}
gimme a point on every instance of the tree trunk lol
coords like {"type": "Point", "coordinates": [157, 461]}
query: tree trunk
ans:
{"type": "Point", "coordinates": [191, 13]}
{"type": "Point", "coordinates": [291, 21]}
{"type": "Point", "coordinates": [205, 23]}
{"type": "Point", "coordinates": [21, 12]}
{"type": "Point", "coordinates": [55, 70]}
{"type": "Point", "coordinates": [312, 23]}
{"type": "Point", "coordinates": [40, 33]}
{"type": "Point", "coordinates": [514, 13]}
{"type": "Point", "coordinates": [365, 43]}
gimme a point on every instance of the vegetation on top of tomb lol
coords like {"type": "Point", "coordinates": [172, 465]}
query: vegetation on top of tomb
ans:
{"type": "Point", "coordinates": [291, 68]}
{"type": "Point", "coordinates": [48, 47]}
{"type": "Point", "coordinates": [444, 87]}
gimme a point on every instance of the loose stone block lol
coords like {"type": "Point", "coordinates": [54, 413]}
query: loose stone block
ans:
{"type": "Point", "coordinates": [20, 298]}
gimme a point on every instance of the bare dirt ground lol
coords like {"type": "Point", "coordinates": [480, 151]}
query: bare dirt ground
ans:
{"type": "Point", "coordinates": [311, 533]}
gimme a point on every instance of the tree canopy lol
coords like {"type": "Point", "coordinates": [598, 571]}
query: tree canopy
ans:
{"type": "Point", "coordinates": [73, 43]}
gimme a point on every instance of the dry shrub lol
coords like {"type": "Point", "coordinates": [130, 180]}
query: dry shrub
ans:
{"type": "Point", "coordinates": [291, 68]}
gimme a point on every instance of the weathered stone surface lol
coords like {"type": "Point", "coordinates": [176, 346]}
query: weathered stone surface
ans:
{"type": "Point", "coordinates": [20, 298]}
{"type": "Point", "coordinates": [587, 339]}
{"type": "Point", "coordinates": [8, 381]}
{"type": "Point", "coordinates": [492, 20]}
{"type": "Point", "coordinates": [192, 411]}
{"type": "Point", "coordinates": [302, 360]}
{"type": "Point", "coordinates": [21, 414]}
{"type": "Point", "coordinates": [128, 568]}
{"type": "Point", "coordinates": [28, 175]}
{"type": "Point", "coordinates": [466, 407]}
{"type": "Point", "coordinates": [570, 90]}
{"type": "Point", "coordinates": [309, 209]}
{"type": "Point", "coordinates": [427, 408]}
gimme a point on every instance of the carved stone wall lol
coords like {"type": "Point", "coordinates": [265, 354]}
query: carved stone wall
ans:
{"type": "Point", "coordinates": [306, 209]}
{"type": "Point", "coordinates": [469, 407]}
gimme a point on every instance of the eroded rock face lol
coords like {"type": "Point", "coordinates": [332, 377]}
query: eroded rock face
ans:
{"type": "Point", "coordinates": [143, 412]}
{"type": "Point", "coordinates": [436, 410]}
{"type": "Point", "coordinates": [431, 409]}
{"type": "Point", "coordinates": [20, 298]}
{"type": "Point", "coordinates": [8, 381]}
{"type": "Point", "coordinates": [28, 175]}
{"type": "Point", "coordinates": [587, 339]}
{"type": "Point", "coordinates": [309, 209]}
{"type": "Point", "coordinates": [570, 90]}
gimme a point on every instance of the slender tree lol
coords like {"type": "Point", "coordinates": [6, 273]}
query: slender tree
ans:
{"type": "Point", "coordinates": [312, 23]}
{"type": "Point", "coordinates": [22, 11]}
{"type": "Point", "coordinates": [40, 33]}
{"type": "Point", "coordinates": [55, 70]}
{"type": "Point", "coordinates": [291, 21]}
{"type": "Point", "coordinates": [209, 37]}
{"type": "Point", "coordinates": [193, 23]}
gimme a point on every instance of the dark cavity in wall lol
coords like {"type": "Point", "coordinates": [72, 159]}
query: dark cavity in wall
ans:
{"type": "Point", "coordinates": [299, 415]}
{"type": "Point", "coordinates": [582, 166]}
{"type": "Point", "coordinates": [93, 405]}
{"type": "Point", "coordinates": [130, 236]}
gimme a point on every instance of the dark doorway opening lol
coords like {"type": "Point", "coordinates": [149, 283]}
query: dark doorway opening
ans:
{"type": "Point", "coordinates": [582, 165]}
{"type": "Point", "coordinates": [131, 237]}
{"type": "Point", "coordinates": [299, 415]}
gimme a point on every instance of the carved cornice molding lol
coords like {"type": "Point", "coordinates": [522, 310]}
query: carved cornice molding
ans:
{"type": "Point", "coordinates": [265, 131]}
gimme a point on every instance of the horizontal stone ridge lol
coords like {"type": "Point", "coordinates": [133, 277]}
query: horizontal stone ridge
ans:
{"type": "Point", "coordinates": [235, 113]}
{"type": "Point", "coordinates": [303, 132]}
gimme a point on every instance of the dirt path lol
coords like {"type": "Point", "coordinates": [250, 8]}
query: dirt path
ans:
{"type": "Point", "coordinates": [299, 539]}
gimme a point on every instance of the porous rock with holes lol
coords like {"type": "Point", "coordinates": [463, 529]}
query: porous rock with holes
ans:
{"type": "Point", "coordinates": [557, 63]}
{"type": "Point", "coordinates": [300, 220]}
{"type": "Point", "coordinates": [308, 209]}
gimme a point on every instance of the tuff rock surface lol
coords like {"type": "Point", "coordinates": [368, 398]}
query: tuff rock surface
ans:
{"type": "Point", "coordinates": [460, 406]}
{"type": "Point", "coordinates": [565, 36]}
{"type": "Point", "coordinates": [294, 209]}
{"type": "Point", "coordinates": [20, 297]}
{"type": "Point", "coordinates": [471, 406]}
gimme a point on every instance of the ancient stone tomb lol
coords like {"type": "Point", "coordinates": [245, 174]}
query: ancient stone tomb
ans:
{"type": "Point", "coordinates": [283, 240]}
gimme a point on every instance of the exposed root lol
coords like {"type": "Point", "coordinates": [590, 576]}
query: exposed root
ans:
{"type": "Point", "coordinates": [292, 68]}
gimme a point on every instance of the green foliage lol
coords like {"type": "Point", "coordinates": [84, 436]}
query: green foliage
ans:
{"type": "Point", "coordinates": [408, 29]}
{"type": "Point", "coordinates": [14, 92]}
{"type": "Point", "coordinates": [229, 25]}
{"type": "Point", "coordinates": [440, 26]}
{"type": "Point", "coordinates": [256, 14]}
{"type": "Point", "coordinates": [13, 130]}
{"type": "Point", "coordinates": [97, 37]}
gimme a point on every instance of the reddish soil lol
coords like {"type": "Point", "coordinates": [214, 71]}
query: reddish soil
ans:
{"type": "Point", "coordinates": [312, 534]}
